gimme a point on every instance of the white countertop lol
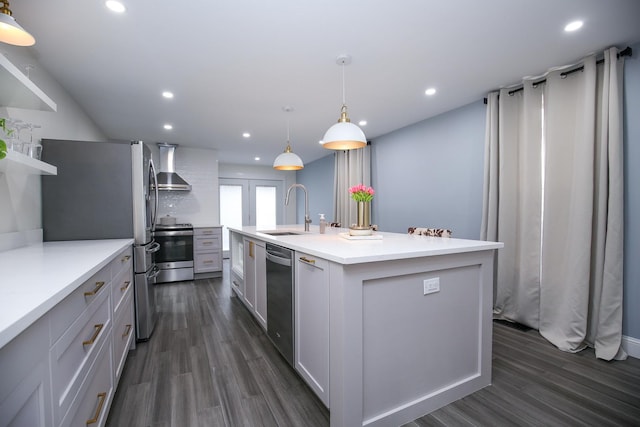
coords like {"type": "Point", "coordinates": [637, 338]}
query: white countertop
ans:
{"type": "Point", "coordinates": [333, 247]}
{"type": "Point", "coordinates": [33, 279]}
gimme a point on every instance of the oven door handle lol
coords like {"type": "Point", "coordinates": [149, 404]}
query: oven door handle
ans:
{"type": "Point", "coordinates": [153, 248]}
{"type": "Point", "coordinates": [171, 233]}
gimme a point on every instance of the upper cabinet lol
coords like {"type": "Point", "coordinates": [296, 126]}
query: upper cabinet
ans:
{"type": "Point", "coordinates": [16, 90]}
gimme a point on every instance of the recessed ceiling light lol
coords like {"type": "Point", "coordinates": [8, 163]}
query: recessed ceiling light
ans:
{"type": "Point", "coordinates": [362, 123]}
{"type": "Point", "coordinates": [167, 94]}
{"type": "Point", "coordinates": [321, 142]}
{"type": "Point", "coordinates": [115, 6]}
{"type": "Point", "coordinates": [246, 135]}
{"type": "Point", "coordinates": [430, 91]}
{"type": "Point", "coordinates": [167, 126]}
{"type": "Point", "coordinates": [573, 26]}
{"type": "Point", "coordinates": [256, 158]}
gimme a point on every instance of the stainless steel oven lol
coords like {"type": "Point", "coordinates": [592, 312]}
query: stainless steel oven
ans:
{"type": "Point", "coordinates": [175, 257]}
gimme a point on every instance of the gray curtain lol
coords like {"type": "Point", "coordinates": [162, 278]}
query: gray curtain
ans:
{"type": "Point", "coordinates": [352, 167]}
{"type": "Point", "coordinates": [554, 195]}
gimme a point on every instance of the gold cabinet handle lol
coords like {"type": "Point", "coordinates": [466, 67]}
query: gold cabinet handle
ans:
{"type": "Point", "coordinates": [305, 259]}
{"type": "Point", "coordinates": [251, 249]}
{"type": "Point", "coordinates": [207, 243]}
{"type": "Point", "coordinates": [125, 286]}
{"type": "Point", "coordinates": [209, 261]}
{"type": "Point", "coordinates": [125, 258]}
{"type": "Point", "coordinates": [97, 328]}
{"type": "Point", "coordinates": [95, 290]}
{"type": "Point", "coordinates": [102, 397]}
{"type": "Point", "coordinates": [127, 330]}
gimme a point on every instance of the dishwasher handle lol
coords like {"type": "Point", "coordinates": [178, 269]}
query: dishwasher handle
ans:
{"type": "Point", "coordinates": [278, 260]}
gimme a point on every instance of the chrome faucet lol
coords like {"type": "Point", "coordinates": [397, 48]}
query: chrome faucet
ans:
{"type": "Point", "coordinates": [307, 218]}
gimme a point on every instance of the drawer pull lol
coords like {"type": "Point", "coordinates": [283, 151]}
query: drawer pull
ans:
{"type": "Point", "coordinates": [207, 243]}
{"type": "Point", "coordinates": [209, 261]}
{"type": "Point", "coordinates": [102, 397]}
{"type": "Point", "coordinates": [127, 330]}
{"type": "Point", "coordinates": [125, 286]}
{"type": "Point", "coordinates": [95, 290]}
{"type": "Point", "coordinates": [125, 258]}
{"type": "Point", "coordinates": [305, 259]}
{"type": "Point", "coordinates": [97, 328]}
{"type": "Point", "coordinates": [251, 249]}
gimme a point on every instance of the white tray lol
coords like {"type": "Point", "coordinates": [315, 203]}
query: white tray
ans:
{"type": "Point", "coordinates": [373, 236]}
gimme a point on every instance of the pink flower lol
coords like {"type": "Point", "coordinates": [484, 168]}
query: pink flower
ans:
{"type": "Point", "coordinates": [361, 193]}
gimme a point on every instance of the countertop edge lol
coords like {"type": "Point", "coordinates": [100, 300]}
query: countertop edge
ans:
{"type": "Point", "coordinates": [289, 242]}
{"type": "Point", "coordinates": [17, 326]}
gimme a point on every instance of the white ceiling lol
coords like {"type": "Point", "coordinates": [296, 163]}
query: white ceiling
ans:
{"type": "Point", "coordinates": [233, 65]}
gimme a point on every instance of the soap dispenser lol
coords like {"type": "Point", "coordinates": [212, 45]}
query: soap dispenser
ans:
{"type": "Point", "coordinates": [323, 224]}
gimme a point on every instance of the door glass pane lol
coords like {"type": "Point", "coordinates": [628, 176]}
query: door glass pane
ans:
{"type": "Point", "coordinates": [265, 207]}
{"type": "Point", "coordinates": [231, 210]}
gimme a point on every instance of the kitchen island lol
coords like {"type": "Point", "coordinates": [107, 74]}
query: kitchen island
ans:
{"type": "Point", "coordinates": [387, 329]}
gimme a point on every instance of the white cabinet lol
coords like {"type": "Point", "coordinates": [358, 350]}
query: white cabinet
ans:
{"type": "Point", "coordinates": [123, 310]}
{"type": "Point", "coordinates": [255, 279]}
{"type": "Point", "coordinates": [261, 285]}
{"type": "Point", "coordinates": [63, 369]}
{"type": "Point", "coordinates": [311, 317]}
{"type": "Point", "coordinates": [25, 390]}
{"type": "Point", "coordinates": [249, 274]}
{"type": "Point", "coordinates": [236, 254]}
{"type": "Point", "coordinates": [207, 252]}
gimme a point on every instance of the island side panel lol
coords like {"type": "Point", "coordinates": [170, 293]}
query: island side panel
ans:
{"type": "Point", "coordinates": [416, 352]}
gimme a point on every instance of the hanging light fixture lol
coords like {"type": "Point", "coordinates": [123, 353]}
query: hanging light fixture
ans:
{"type": "Point", "coordinates": [344, 135]}
{"type": "Point", "coordinates": [288, 161]}
{"type": "Point", "coordinates": [10, 31]}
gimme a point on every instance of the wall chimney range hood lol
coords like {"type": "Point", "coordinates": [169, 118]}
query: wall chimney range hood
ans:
{"type": "Point", "coordinates": [168, 179]}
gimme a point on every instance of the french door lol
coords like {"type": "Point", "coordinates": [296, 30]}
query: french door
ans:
{"type": "Point", "coordinates": [257, 202]}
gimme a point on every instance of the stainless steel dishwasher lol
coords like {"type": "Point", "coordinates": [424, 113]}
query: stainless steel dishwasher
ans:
{"type": "Point", "coordinates": [280, 276]}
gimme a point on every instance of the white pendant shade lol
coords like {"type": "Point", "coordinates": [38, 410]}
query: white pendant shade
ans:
{"type": "Point", "coordinates": [344, 136]}
{"type": "Point", "coordinates": [12, 33]}
{"type": "Point", "coordinates": [288, 161]}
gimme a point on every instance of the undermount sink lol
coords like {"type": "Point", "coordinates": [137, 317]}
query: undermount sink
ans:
{"type": "Point", "coordinates": [281, 233]}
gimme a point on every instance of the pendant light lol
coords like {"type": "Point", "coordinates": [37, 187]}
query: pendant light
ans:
{"type": "Point", "coordinates": [344, 135]}
{"type": "Point", "coordinates": [288, 161]}
{"type": "Point", "coordinates": [10, 31]}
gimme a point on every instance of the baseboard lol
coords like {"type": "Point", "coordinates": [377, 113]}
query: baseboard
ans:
{"type": "Point", "coordinates": [631, 346]}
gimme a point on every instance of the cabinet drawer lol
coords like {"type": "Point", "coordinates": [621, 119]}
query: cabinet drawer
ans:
{"type": "Point", "coordinates": [122, 262]}
{"type": "Point", "coordinates": [123, 333]}
{"type": "Point", "coordinates": [75, 351]}
{"type": "Point", "coordinates": [207, 244]}
{"type": "Point", "coordinates": [121, 286]}
{"type": "Point", "coordinates": [92, 405]}
{"type": "Point", "coordinates": [210, 261]}
{"type": "Point", "coordinates": [67, 311]}
{"type": "Point", "coordinates": [208, 231]}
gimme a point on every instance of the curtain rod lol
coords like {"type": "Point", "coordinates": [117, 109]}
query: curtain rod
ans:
{"type": "Point", "coordinates": [625, 52]}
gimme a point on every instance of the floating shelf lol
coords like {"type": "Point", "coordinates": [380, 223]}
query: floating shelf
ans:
{"type": "Point", "coordinates": [18, 162]}
{"type": "Point", "coordinates": [16, 90]}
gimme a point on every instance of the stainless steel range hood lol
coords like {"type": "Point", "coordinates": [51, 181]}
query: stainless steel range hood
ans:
{"type": "Point", "coordinates": [168, 179]}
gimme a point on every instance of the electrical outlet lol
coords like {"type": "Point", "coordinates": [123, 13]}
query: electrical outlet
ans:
{"type": "Point", "coordinates": [431, 285]}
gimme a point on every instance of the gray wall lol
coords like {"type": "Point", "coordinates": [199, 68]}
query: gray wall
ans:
{"type": "Point", "coordinates": [317, 177]}
{"type": "Point", "coordinates": [631, 306]}
{"type": "Point", "coordinates": [430, 174]}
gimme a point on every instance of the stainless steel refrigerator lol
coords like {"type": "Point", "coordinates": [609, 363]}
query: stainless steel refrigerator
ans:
{"type": "Point", "coordinates": [106, 190]}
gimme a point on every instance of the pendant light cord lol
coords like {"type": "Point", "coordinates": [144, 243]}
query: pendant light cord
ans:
{"type": "Point", "coordinates": [344, 95]}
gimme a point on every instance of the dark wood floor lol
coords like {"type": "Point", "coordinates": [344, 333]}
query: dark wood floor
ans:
{"type": "Point", "coordinates": [208, 363]}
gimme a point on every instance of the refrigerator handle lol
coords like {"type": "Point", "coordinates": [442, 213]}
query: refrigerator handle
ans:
{"type": "Point", "coordinates": [152, 171]}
